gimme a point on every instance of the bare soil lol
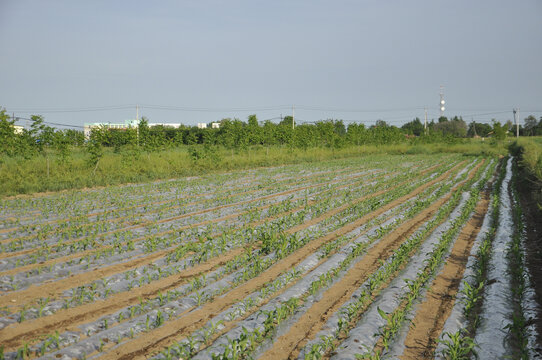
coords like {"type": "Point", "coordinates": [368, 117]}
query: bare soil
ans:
{"type": "Point", "coordinates": [433, 312]}
{"type": "Point", "coordinates": [310, 323]}
{"type": "Point", "coordinates": [177, 329]}
{"type": "Point", "coordinates": [69, 318]}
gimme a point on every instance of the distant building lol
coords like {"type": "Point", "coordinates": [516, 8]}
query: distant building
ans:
{"type": "Point", "coordinates": [202, 126]}
{"type": "Point", "coordinates": [171, 125]}
{"type": "Point", "coordinates": [18, 129]}
{"type": "Point", "coordinates": [128, 124]}
{"type": "Point", "coordinates": [215, 125]}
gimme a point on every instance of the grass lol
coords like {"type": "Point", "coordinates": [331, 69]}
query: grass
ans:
{"type": "Point", "coordinates": [529, 151]}
{"type": "Point", "coordinates": [49, 172]}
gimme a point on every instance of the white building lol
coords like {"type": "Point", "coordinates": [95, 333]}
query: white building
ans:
{"type": "Point", "coordinates": [124, 126]}
{"type": "Point", "coordinates": [18, 129]}
{"type": "Point", "coordinates": [202, 126]}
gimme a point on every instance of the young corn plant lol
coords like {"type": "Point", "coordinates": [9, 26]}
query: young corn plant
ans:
{"type": "Point", "coordinates": [457, 346]}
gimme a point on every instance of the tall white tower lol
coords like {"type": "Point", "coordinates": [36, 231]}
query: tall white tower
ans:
{"type": "Point", "coordinates": [442, 102]}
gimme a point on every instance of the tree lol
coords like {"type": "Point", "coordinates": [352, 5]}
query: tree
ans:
{"type": "Point", "coordinates": [455, 127]}
{"type": "Point", "coordinates": [227, 133]}
{"type": "Point", "coordinates": [414, 127]}
{"type": "Point", "coordinates": [8, 138]}
{"type": "Point", "coordinates": [306, 136]}
{"type": "Point", "coordinates": [327, 135]}
{"type": "Point", "coordinates": [479, 129]}
{"type": "Point", "coordinates": [381, 123]}
{"type": "Point", "coordinates": [356, 134]}
{"type": "Point", "coordinates": [531, 125]}
{"type": "Point", "coordinates": [340, 129]}
{"type": "Point", "coordinates": [499, 131]}
{"type": "Point", "coordinates": [283, 133]}
{"type": "Point", "coordinates": [37, 128]}
{"type": "Point", "coordinates": [158, 138]}
{"type": "Point", "coordinates": [288, 121]}
{"type": "Point", "coordinates": [269, 133]}
{"type": "Point", "coordinates": [253, 131]}
{"type": "Point", "coordinates": [144, 133]}
{"type": "Point", "coordinates": [62, 144]}
{"type": "Point", "coordinates": [94, 147]}
{"type": "Point", "coordinates": [75, 137]}
{"type": "Point", "coordinates": [510, 125]}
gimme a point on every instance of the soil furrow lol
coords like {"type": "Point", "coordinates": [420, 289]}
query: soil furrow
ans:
{"type": "Point", "coordinates": [82, 254]}
{"type": "Point", "coordinates": [283, 180]}
{"type": "Point", "coordinates": [12, 336]}
{"type": "Point", "coordinates": [55, 288]}
{"type": "Point", "coordinates": [155, 210]}
{"type": "Point", "coordinates": [110, 308]}
{"type": "Point", "coordinates": [178, 217]}
{"type": "Point", "coordinates": [432, 313]}
{"type": "Point", "coordinates": [178, 328]}
{"type": "Point", "coordinates": [311, 322]}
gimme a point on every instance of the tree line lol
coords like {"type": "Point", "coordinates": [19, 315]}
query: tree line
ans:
{"type": "Point", "coordinates": [237, 134]}
{"type": "Point", "coordinates": [33, 141]}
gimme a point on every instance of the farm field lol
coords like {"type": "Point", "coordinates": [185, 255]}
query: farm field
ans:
{"type": "Point", "coordinates": [410, 257]}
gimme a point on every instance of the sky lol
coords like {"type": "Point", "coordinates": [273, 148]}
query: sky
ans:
{"type": "Point", "coordinates": [76, 62]}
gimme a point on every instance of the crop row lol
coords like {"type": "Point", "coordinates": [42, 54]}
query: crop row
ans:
{"type": "Point", "coordinates": [176, 324]}
{"type": "Point", "coordinates": [42, 304]}
{"type": "Point", "coordinates": [231, 268]}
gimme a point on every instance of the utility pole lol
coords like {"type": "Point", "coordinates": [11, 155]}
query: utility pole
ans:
{"type": "Point", "coordinates": [517, 127]}
{"type": "Point", "coordinates": [293, 117]}
{"type": "Point", "coordinates": [425, 121]}
{"type": "Point", "coordinates": [516, 118]}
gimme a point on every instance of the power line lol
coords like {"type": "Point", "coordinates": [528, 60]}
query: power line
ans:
{"type": "Point", "coordinates": [210, 109]}
{"type": "Point", "coordinates": [489, 113]}
{"type": "Point", "coordinates": [205, 109]}
{"type": "Point", "coordinates": [240, 108]}
{"type": "Point", "coordinates": [68, 110]}
{"type": "Point", "coordinates": [391, 120]}
{"type": "Point", "coordinates": [316, 108]}
{"type": "Point", "coordinates": [50, 123]}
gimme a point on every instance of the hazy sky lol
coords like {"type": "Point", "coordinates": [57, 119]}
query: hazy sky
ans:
{"type": "Point", "coordinates": [352, 60]}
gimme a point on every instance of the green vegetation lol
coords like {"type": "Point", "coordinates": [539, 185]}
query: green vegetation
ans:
{"type": "Point", "coordinates": [47, 173]}
{"type": "Point", "coordinates": [458, 347]}
{"type": "Point", "coordinates": [229, 239]}
{"type": "Point", "coordinates": [517, 329]}
{"type": "Point", "coordinates": [529, 151]}
{"type": "Point", "coordinates": [43, 159]}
